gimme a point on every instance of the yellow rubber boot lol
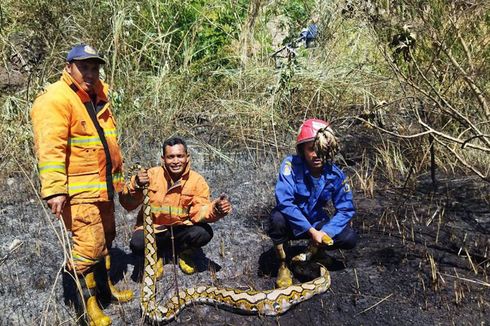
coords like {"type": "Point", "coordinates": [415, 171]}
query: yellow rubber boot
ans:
{"type": "Point", "coordinates": [159, 268]}
{"type": "Point", "coordinates": [186, 263]}
{"type": "Point", "coordinates": [119, 295]}
{"type": "Point", "coordinates": [95, 314]}
{"type": "Point", "coordinates": [284, 276]}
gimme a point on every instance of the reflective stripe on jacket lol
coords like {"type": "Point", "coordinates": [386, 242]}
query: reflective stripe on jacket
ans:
{"type": "Point", "coordinates": [303, 203]}
{"type": "Point", "coordinates": [184, 202]}
{"type": "Point", "coordinates": [76, 157]}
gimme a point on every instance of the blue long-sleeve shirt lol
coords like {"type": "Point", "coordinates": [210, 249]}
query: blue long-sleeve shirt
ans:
{"type": "Point", "coordinates": [302, 198]}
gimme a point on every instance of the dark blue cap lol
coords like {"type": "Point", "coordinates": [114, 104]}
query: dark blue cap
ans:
{"type": "Point", "coordinates": [83, 52]}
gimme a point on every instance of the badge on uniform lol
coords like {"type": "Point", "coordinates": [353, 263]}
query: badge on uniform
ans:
{"type": "Point", "coordinates": [287, 169]}
{"type": "Point", "coordinates": [346, 185]}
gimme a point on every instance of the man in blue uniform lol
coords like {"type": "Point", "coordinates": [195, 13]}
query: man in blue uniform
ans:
{"type": "Point", "coordinates": [307, 182]}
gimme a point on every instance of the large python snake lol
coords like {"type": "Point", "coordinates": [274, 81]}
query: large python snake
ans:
{"type": "Point", "coordinates": [269, 302]}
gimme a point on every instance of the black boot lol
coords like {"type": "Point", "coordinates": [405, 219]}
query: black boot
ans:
{"type": "Point", "coordinates": [106, 291]}
{"type": "Point", "coordinates": [79, 292]}
{"type": "Point", "coordinates": [74, 292]}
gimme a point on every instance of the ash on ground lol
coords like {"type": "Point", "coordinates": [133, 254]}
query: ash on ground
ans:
{"type": "Point", "coordinates": [422, 256]}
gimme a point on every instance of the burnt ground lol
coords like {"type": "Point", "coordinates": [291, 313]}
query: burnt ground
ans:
{"type": "Point", "coordinates": [422, 256]}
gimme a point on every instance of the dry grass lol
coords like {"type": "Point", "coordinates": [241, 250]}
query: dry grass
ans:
{"type": "Point", "coordinates": [364, 176]}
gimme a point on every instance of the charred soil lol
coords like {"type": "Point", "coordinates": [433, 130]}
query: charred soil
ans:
{"type": "Point", "coordinates": [422, 256]}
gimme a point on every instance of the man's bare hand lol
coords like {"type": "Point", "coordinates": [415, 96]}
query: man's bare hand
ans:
{"type": "Point", "coordinates": [57, 203]}
{"type": "Point", "coordinates": [142, 178]}
{"type": "Point", "coordinates": [317, 236]}
{"type": "Point", "coordinates": [222, 205]}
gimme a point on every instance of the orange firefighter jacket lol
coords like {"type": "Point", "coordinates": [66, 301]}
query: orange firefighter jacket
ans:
{"type": "Point", "coordinates": [184, 202]}
{"type": "Point", "coordinates": [76, 143]}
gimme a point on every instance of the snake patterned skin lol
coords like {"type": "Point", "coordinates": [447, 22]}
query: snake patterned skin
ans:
{"type": "Point", "coordinates": [269, 302]}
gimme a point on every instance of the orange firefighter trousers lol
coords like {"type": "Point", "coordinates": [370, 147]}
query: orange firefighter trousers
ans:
{"type": "Point", "coordinates": [93, 230]}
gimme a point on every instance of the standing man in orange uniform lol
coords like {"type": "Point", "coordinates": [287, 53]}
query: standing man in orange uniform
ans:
{"type": "Point", "coordinates": [80, 167]}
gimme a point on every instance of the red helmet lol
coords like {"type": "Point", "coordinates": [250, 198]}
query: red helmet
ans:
{"type": "Point", "coordinates": [308, 130]}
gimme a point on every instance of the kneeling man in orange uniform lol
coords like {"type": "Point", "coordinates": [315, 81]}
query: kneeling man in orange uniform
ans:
{"type": "Point", "coordinates": [179, 197]}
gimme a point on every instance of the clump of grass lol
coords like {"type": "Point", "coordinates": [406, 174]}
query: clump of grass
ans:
{"type": "Point", "coordinates": [365, 176]}
{"type": "Point", "coordinates": [392, 161]}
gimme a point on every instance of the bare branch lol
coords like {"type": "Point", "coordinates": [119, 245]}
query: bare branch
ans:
{"type": "Point", "coordinates": [453, 139]}
{"type": "Point", "coordinates": [394, 133]}
{"type": "Point", "coordinates": [469, 166]}
{"type": "Point", "coordinates": [476, 90]}
{"type": "Point", "coordinates": [452, 110]}
{"type": "Point", "coordinates": [471, 138]}
{"type": "Point", "coordinates": [429, 130]}
{"type": "Point", "coordinates": [463, 44]}
{"type": "Point", "coordinates": [446, 103]}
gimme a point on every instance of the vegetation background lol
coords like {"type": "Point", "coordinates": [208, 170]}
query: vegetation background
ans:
{"type": "Point", "coordinates": [406, 83]}
{"type": "Point", "coordinates": [418, 69]}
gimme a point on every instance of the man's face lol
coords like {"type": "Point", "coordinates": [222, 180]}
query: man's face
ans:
{"type": "Point", "coordinates": [85, 73]}
{"type": "Point", "coordinates": [314, 162]}
{"type": "Point", "coordinates": [175, 159]}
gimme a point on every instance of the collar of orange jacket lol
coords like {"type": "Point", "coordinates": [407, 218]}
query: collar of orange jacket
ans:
{"type": "Point", "coordinates": [99, 88]}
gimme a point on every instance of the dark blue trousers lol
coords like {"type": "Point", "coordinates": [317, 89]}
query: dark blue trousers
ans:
{"type": "Point", "coordinates": [280, 231]}
{"type": "Point", "coordinates": [186, 237]}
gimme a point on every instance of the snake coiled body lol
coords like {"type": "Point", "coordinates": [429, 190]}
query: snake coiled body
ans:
{"type": "Point", "coordinates": [269, 302]}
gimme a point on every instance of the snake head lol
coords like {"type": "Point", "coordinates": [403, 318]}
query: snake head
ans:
{"type": "Point", "coordinates": [135, 167]}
